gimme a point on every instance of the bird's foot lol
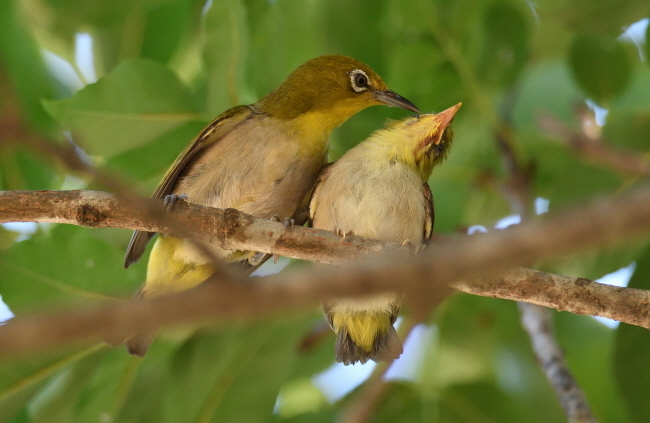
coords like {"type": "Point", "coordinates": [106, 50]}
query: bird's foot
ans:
{"type": "Point", "coordinates": [340, 232]}
{"type": "Point", "coordinates": [407, 243]}
{"type": "Point", "coordinates": [416, 249]}
{"type": "Point", "coordinates": [169, 202]}
{"type": "Point", "coordinates": [287, 222]}
{"type": "Point", "coordinates": [257, 259]}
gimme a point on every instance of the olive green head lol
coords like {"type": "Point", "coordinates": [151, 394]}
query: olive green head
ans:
{"type": "Point", "coordinates": [422, 141]}
{"type": "Point", "coordinates": [333, 86]}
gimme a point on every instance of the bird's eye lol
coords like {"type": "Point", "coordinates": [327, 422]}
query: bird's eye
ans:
{"type": "Point", "coordinates": [359, 80]}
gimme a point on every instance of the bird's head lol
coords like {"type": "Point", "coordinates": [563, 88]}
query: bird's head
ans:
{"type": "Point", "coordinates": [421, 142]}
{"type": "Point", "coordinates": [329, 90]}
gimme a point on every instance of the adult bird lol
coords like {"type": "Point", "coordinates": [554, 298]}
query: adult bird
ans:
{"type": "Point", "coordinates": [261, 159]}
{"type": "Point", "coordinates": [379, 190]}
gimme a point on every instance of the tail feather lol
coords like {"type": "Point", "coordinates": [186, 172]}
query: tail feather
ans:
{"type": "Point", "coordinates": [386, 347]}
{"type": "Point", "coordinates": [139, 343]}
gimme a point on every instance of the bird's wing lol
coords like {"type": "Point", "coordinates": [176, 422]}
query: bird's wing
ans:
{"type": "Point", "coordinates": [429, 215]}
{"type": "Point", "coordinates": [315, 194]}
{"type": "Point", "coordinates": [219, 127]}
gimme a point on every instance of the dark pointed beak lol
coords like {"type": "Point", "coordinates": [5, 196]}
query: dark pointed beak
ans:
{"type": "Point", "coordinates": [391, 98]}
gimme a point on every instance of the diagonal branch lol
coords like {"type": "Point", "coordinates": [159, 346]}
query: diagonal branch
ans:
{"type": "Point", "coordinates": [536, 320]}
{"type": "Point", "coordinates": [420, 276]}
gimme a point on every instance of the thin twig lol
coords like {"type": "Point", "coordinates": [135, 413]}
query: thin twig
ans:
{"type": "Point", "coordinates": [538, 321]}
{"type": "Point", "coordinates": [595, 149]}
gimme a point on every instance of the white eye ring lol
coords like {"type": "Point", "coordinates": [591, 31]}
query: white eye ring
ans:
{"type": "Point", "coordinates": [354, 75]}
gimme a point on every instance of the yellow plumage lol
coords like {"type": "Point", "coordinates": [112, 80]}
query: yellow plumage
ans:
{"type": "Point", "coordinates": [261, 159]}
{"type": "Point", "coordinates": [379, 190]}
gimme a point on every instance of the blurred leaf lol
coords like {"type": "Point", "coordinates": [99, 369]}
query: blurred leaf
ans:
{"type": "Point", "coordinates": [224, 51]}
{"type": "Point", "coordinates": [221, 367]}
{"type": "Point", "coordinates": [22, 381]}
{"type": "Point", "coordinates": [316, 350]}
{"type": "Point", "coordinates": [137, 103]}
{"type": "Point", "coordinates": [595, 16]}
{"type": "Point", "coordinates": [630, 362]}
{"type": "Point", "coordinates": [57, 400]}
{"type": "Point", "coordinates": [284, 34]}
{"type": "Point", "coordinates": [433, 74]}
{"type": "Point", "coordinates": [547, 87]}
{"type": "Point", "coordinates": [67, 264]}
{"type": "Point", "coordinates": [564, 178]}
{"type": "Point", "coordinates": [628, 131]}
{"type": "Point", "coordinates": [300, 396]}
{"type": "Point", "coordinates": [481, 343]}
{"type": "Point", "coordinates": [167, 28]}
{"type": "Point", "coordinates": [22, 60]}
{"type": "Point", "coordinates": [21, 169]}
{"type": "Point", "coordinates": [147, 164]}
{"type": "Point", "coordinates": [505, 48]}
{"type": "Point", "coordinates": [596, 262]}
{"type": "Point", "coordinates": [354, 29]}
{"type": "Point", "coordinates": [7, 238]}
{"type": "Point", "coordinates": [95, 13]}
{"type": "Point", "coordinates": [647, 43]}
{"type": "Point", "coordinates": [403, 403]}
{"type": "Point", "coordinates": [483, 402]}
{"type": "Point", "coordinates": [327, 416]}
{"type": "Point", "coordinates": [600, 65]}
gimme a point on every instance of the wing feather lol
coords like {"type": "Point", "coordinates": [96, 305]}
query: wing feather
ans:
{"type": "Point", "coordinates": [429, 213]}
{"type": "Point", "coordinates": [217, 129]}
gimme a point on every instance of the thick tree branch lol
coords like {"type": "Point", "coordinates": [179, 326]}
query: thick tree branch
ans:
{"type": "Point", "coordinates": [421, 276]}
{"type": "Point", "coordinates": [228, 228]}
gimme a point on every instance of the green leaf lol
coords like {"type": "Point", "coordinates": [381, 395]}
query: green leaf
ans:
{"type": "Point", "coordinates": [283, 35]}
{"type": "Point", "coordinates": [21, 169]}
{"type": "Point", "coordinates": [631, 363]}
{"type": "Point", "coordinates": [23, 381]}
{"type": "Point", "coordinates": [565, 178]}
{"type": "Point", "coordinates": [505, 48]}
{"type": "Point", "coordinates": [477, 402]}
{"type": "Point", "coordinates": [403, 403]}
{"type": "Point", "coordinates": [135, 104]}
{"type": "Point", "coordinates": [147, 164]}
{"type": "Point", "coordinates": [166, 29]}
{"type": "Point", "coordinates": [595, 16]}
{"type": "Point", "coordinates": [600, 65]}
{"type": "Point", "coordinates": [647, 43]}
{"type": "Point", "coordinates": [224, 52]}
{"type": "Point", "coordinates": [23, 63]}
{"type": "Point", "coordinates": [68, 264]}
{"type": "Point", "coordinates": [247, 366]}
{"type": "Point", "coordinates": [481, 343]}
{"type": "Point", "coordinates": [546, 87]}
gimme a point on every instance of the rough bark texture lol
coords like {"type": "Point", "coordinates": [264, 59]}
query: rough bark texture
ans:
{"type": "Point", "coordinates": [421, 277]}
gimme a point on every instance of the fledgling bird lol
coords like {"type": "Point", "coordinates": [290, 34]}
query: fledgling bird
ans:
{"type": "Point", "coordinates": [261, 159]}
{"type": "Point", "coordinates": [379, 190]}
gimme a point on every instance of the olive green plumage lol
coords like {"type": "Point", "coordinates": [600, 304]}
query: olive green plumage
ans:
{"type": "Point", "coordinates": [261, 159]}
{"type": "Point", "coordinates": [379, 190]}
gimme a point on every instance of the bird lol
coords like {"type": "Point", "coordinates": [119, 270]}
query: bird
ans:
{"type": "Point", "coordinates": [379, 190]}
{"type": "Point", "coordinates": [261, 159]}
